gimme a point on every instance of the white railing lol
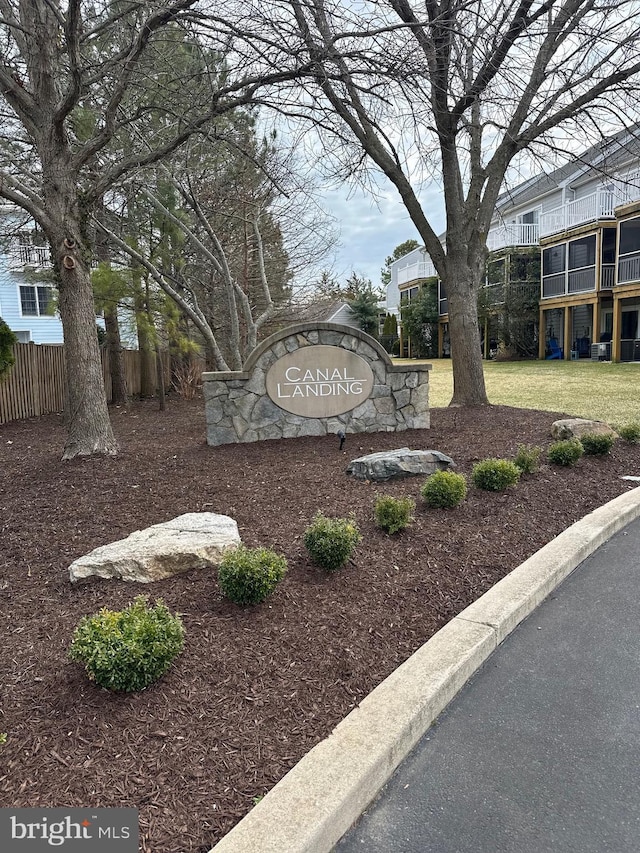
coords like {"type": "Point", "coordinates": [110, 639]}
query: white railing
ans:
{"type": "Point", "coordinates": [28, 256]}
{"type": "Point", "coordinates": [628, 188]}
{"type": "Point", "coordinates": [607, 276]}
{"type": "Point", "coordinates": [629, 268]}
{"type": "Point", "coordinates": [598, 205]}
{"type": "Point", "coordinates": [513, 234]}
{"type": "Point", "coordinates": [421, 269]}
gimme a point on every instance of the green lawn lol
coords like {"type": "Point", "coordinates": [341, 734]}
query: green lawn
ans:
{"type": "Point", "coordinates": [590, 389]}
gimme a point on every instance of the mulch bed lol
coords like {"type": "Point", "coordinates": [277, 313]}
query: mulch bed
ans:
{"type": "Point", "coordinates": [255, 688]}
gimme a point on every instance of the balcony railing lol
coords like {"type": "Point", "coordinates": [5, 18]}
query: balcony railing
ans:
{"type": "Point", "coordinates": [513, 234]}
{"type": "Point", "coordinates": [421, 269]}
{"type": "Point", "coordinates": [582, 280]}
{"type": "Point", "coordinates": [607, 276]}
{"type": "Point", "coordinates": [28, 256]}
{"type": "Point", "coordinates": [598, 205]}
{"type": "Point", "coordinates": [573, 281]}
{"type": "Point", "coordinates": [629, 268]}
{"type": "Point", "coordinates": [553, 285]}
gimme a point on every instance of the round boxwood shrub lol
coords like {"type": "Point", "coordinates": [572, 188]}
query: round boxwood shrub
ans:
{"type": "Point", "coordinates": [125, 650]}
{"type": "Point", "coordinates": [444, 489]}
{"type": "Point", "coordinates": [249, 575]}
{"type": "Point", "coordinates": [495, 475]}
{"type": "Point", "coordinates": [630, 432]}
{"type": "Point", "coordinates": [596, 444]}
{"type": "Point", "coordinates": [331, 541]}
{"type": "Point", "coordinates": [393, 514]}
{"type": "Point", "coordinates": [566, 452]}
{"type": "Point", "coordinates": [527, 458]}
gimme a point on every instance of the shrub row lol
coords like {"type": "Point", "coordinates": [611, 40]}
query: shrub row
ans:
{"type": "Point", "coordinates": [129, 649]}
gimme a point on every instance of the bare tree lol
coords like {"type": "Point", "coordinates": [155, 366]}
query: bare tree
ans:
{"type": "Point", "coordinates": [454, 91]}
{"type": "Point", "coordinates": [73, 78]}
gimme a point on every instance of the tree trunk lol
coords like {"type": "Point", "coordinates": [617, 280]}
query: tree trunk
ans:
{"type": "Point", "coordinates": [89, 427]}
{"type": "Point", "coordinates": [145, 339]}
{"type": "Point", "coordinates": [116, 357]}
{"type": "Point", "coordinates": [112, 330]}
{"type": "Point", "coordinates": [160, 374]}
{"type": "Point", "coordinates": [464, 333]}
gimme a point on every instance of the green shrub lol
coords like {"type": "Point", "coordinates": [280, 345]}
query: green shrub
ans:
{"type": "Point", "coordinates": [495, 475]}
{"type": "Point", "coordinates": [527, 458]}
{"type": "Point", "coordinates": [331, 541]}
{"type": "Point", "coordinates": [444, 489]}
{"type": "Point", "coordinates": [128, 649]}
{"type": "Point", "coordinates": [393, 514]}
{"type": "Point", "coordinates": [566, 452]}
{"type": "Point", "coordinates": [249, 575]}
{"type": "Point", "coordinates": [597, 444]}
{"type": "Point", "coordinates": [630, 432]}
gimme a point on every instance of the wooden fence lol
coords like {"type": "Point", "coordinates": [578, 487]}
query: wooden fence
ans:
{"type": "Point", "coordinates": [35, 383]}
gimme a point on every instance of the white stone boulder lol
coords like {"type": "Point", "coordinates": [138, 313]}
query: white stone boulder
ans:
{"type": "Point", "coordinates": [404, 462]}
{"type": "Point", "coordinates": [195, 540]}
{"type": "Point", "coordinates": [575, 427]}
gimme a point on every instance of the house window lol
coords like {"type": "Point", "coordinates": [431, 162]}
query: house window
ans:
{"type": "Point", "coordinates": [529, 218]}
{"type": "Point", "coordinates": [36, 300]}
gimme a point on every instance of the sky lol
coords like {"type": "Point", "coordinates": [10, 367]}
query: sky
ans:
{"type": "Point", "coordinates": [370, 229]}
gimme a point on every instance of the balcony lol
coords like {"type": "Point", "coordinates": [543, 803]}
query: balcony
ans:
{"type": "Point", "coordinates": [513, 234]}
{"type": "Point", "coordinates": [598, 205]}
{"type": "Point", "coordinates": [20, 256]}
{"type": "Point", "coordinates": [422, 269]}
{"type": "Point", "coordinates": [591, 208]}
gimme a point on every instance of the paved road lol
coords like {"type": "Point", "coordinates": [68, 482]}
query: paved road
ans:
{"type": "Point", "coordinates": [540, 751]}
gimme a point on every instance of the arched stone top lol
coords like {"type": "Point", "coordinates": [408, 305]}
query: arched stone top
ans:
{"type": "Point", "coordinates": [301, 328]}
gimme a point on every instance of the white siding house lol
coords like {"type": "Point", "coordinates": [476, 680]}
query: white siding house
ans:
{"type": "Point", "coordinates": [27, 305]}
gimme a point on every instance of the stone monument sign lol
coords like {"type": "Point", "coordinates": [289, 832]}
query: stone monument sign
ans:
{"type": "Point", "coordinates": [315, 379]}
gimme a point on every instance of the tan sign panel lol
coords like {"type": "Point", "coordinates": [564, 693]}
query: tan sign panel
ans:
{"type": "Point", "coordinates": [319, 381]}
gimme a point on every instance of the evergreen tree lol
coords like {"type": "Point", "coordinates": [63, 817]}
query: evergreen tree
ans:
{"type": "Point", "coordinates": [420, 321]}
{"type": "Point", "coordinates": [7, 340]}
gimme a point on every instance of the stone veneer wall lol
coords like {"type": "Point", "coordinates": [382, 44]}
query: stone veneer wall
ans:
{"type": "Point", "coordinates": [238, 408]}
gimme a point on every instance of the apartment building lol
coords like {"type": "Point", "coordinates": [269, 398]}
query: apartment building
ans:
{"type": "Point", "coordinates": [574, 237]}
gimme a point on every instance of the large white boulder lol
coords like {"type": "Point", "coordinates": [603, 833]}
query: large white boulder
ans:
{"type": "Point", "coordinates": [195, 540]}
{"type": "Point", "coordinates": [575, 427]}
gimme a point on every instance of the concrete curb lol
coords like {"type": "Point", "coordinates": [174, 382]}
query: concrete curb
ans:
{"type": "Point", "coordinates": [310, 809]}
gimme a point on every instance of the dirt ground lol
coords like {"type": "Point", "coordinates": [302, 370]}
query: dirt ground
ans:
{"type": "Point", "coordinates": [255, 688]}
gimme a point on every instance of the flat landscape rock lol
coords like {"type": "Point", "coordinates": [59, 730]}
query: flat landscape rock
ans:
{"type": "Point", "coordinates": [195, 540]}
{"type": "Point", "coordinates": [575, 427]}
{"type": "Point", "coordinates": [404, 462]}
